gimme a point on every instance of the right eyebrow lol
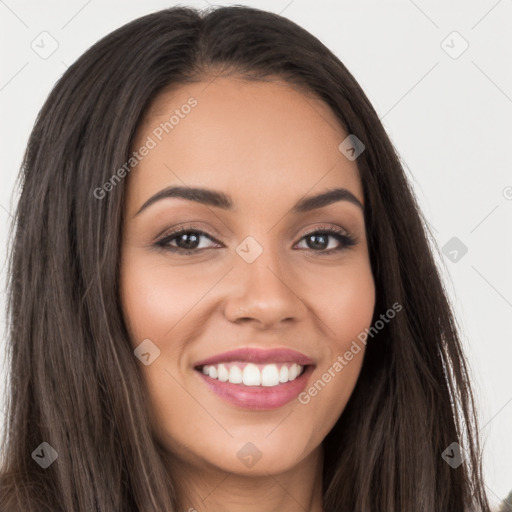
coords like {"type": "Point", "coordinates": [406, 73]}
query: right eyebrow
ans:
{"type": "Point", "coordinates": [200, 195]}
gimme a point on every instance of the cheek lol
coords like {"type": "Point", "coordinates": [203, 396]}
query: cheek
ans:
{"type": "Point", "coordinates": [343, 300]}
{"type": "Point", "coordinates": [156, 297]}
{"type": "Point", "coordinates": [345, 308]}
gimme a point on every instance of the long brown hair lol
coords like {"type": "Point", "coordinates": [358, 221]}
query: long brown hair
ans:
{"type": "Point", "coordinates": [73, 379]}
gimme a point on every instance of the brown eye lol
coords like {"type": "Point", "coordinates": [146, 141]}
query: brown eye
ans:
{"type": "Point", "coordinates": [184, 240]}
{"type": "Point", "coordinates": [318, 241]}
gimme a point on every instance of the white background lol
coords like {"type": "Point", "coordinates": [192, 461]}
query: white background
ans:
{"type": "Point", "coordinates": [449, 118]}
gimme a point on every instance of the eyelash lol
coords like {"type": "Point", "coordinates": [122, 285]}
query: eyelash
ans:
{"type": "Point", "coordinates": [341, 235]}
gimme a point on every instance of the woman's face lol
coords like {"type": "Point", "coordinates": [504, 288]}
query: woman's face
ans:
{"type": "Point", "coordinates": [256, 281]}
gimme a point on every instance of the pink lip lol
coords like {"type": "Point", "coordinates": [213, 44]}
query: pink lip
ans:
{"type": "Point", "coordinates": [259, 397]}
{"type": "Point", "coordinates": [258, 356]}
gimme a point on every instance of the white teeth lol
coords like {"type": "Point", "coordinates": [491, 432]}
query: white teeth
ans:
{"type": "Point", "coordinates": [251, 375]}
{"type": "Point", "coordinates": [283, 374]}
{"type": "Point", "coordinates": [222, 373]}
{"type": "Point", "coordinates": [235, 375]}
{"type": "Point", "coordinates": [267, 375]}
{"type": "Point", "coordinates": [293, 372]}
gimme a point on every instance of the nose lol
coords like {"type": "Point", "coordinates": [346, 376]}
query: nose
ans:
{"type": "Point", "coordinates": [264, 292]}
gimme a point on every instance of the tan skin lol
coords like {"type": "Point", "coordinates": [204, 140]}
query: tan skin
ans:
{"type": "Point", "coordinates": [266, 145]}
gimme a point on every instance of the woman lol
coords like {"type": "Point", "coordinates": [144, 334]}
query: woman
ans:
{"type": "Point", "coordinates": [222, 294]}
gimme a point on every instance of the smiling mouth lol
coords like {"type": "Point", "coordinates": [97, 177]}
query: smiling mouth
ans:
{"type": "Point", "coordinates": [251, 374]}
{"type": "Point", "coordinates": [253, 378]}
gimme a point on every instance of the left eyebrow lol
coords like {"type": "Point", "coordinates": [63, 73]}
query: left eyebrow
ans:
{"type": "Point", "coordinates": [307, 204]}
{"type": "Point", "coordinates": [221, 200]}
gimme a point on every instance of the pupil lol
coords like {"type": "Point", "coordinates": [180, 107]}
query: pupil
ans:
{"type": "Point", "coordinates": [319, 245]}
{"type": "Point", "coordinates": [190, 241]}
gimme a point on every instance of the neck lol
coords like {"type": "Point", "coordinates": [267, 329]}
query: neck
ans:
{"type": "Point", "coordinates": [214, 490]}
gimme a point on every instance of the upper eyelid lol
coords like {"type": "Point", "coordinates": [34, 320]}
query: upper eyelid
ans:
{"type": "Point", "coordinates": [327, 228]}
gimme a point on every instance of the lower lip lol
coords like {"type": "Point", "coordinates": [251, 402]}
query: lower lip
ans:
{"type": "Point", "coordinates": [258, 397]}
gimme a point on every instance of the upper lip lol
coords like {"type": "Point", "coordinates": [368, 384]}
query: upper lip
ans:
{"type": "Point", "coordinates": [261, 356]}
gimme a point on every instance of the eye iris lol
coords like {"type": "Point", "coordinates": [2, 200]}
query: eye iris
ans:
{"type": "Point", "coordinates": [191, 241]}
{"type": "Point", "coordinates": [316, 244]}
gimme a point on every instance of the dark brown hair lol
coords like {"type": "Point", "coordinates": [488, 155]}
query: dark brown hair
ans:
{"type": "Point", "coordinates": [73, 379]}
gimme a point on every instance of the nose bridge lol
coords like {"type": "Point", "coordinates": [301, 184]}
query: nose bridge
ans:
{"type": "Point", "coordinates": [263, 289]}
{"type": "Point", "coordinates": [259, 259]}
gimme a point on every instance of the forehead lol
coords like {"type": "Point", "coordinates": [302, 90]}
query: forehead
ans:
{"type": "Point", "coordinates": [251, 139]}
